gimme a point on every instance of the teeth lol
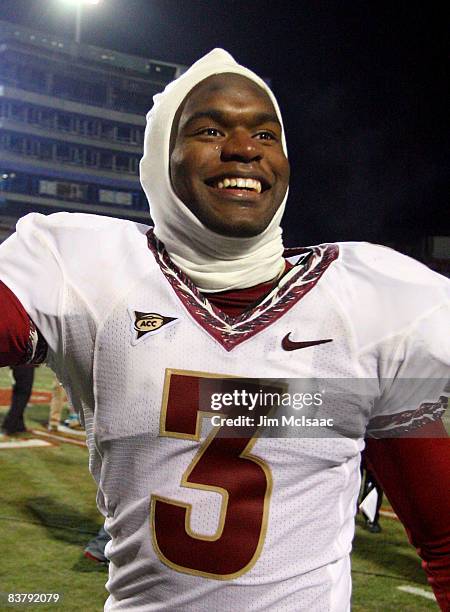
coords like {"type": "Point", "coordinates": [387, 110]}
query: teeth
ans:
{"type": "Point", "coordinates": [241, 183]}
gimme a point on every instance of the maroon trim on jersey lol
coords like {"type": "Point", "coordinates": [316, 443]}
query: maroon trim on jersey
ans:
{"type": "Point", "coordinates": [231, 331]}
{"type": "Point", "coordinates": [400, 424]}
{"type": "Point", "coordinates": [234, 302]}
{"type": "Point", "coordinates": [38, 347]}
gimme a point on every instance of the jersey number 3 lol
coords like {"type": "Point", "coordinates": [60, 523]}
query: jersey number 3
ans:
{"type": "Point", "coordinates": [223, 465]}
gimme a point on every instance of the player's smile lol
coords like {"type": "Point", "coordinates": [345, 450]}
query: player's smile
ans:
{"type": "Point", "coordinates": [242, 186]}
{"type": "Point", "coordinates": [227, 161]}
{"type": "Point", "coordinates": [249, 187]}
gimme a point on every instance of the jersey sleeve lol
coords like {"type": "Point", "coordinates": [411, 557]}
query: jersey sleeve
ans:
{"type": "Point", "coordinates": [415, 374]}
{"type": "Point", "coordinates": [30, 269]}
{"type": "Point", "coordinates": [19, 337]}
{"type": "Point", "coordinates": [398, 316]}
{"type": "Point", "coordinates": [415, 475]}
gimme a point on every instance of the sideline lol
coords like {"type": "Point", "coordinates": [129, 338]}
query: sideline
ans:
{"type": "Point", "coordinates": [417, 591]}
{"type": "Point", "coordinates": [24, 444]}
{"type": "Point", "coordinates": [389, 514]}
{"type": "Point", "coordinates": [58, 438]}
{"type": "Point", "coordinates": [37, 397]}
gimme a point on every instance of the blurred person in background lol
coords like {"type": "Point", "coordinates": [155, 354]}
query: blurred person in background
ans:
{"type": "Point", "coordinates": [57, 403]}
{"type": "Point", "coordinates": [23, 376]}
{"type": "Point", "coordinates": [370, 483]}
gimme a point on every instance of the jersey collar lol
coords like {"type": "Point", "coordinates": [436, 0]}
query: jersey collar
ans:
{"type": "Point", "coordinates": [230, 331]}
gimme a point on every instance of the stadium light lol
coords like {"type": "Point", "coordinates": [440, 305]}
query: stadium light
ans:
{"type": "Point", "coordinates": [79, 9]}
{"type": "Point", "coordinates": [81, 1]}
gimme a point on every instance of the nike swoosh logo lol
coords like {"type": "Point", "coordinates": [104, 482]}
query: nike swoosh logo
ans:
{"type": "Point", "coordinates": [290, 345]}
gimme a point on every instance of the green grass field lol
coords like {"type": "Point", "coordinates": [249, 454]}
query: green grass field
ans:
{"type": "Point", "coordinates": [48, 513]}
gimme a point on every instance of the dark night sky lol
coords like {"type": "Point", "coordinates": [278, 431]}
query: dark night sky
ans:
{"type": "Point", "coordinates": [361, 84]}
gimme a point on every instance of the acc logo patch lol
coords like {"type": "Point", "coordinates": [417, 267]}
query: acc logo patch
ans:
{"type": "Point", "coordinates": [148, 323]}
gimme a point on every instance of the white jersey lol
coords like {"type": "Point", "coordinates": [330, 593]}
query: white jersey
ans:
{"type": "Point", "coordinates": [199, 522]}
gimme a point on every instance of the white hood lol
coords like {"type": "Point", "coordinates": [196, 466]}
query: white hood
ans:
{"type": "Point", "coordinates": [212, 261]}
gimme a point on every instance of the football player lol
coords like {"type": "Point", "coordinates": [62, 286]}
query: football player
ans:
{"type": "Point", "coordinates": [137, 321]}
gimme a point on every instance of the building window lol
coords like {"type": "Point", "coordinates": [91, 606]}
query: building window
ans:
{"type": "Point", "coordinates": [33, 115]}
{"type": "Point", "coordinates": [107, 131]}
{"type": "Point", "coordinates": [107, 196]}
{"type": "Point", "coordinates": [32, 148]}
{"type": "Point", "coordinates": [47, 187]}
{"type": "Point", "coordinates": [134, 165]}
{"type": "Point", "coordinates": [46, 150]}
{"type": "Point", "coordinates": [16, 143]}
{"type": "Point", "coordinates": [65, 86]}
{"type": "Point", "coordinates": [106, 160]}
{"type": "Point", "coordinates": [91, 157]}
{"type": "Point", "coordinates": [4, 108]}
{"type": "Point", "coordinates": [8, 71]}
{"type": "Point", "coordinates": [64, 122]}
{"type": "Point", "coordinates": [89, 127]}
{"type": "Point", "coordinates": [66, 191]}
{"type": "Point", "coordinates": [137, 136]}
{"type": "Point", "coordinates": [124, 133]}
{"type": "Point", "coordinates": [32, 78]}
{"type": "Point", "coordinates": [122, 163]}
{"type": "Point", "coordinates": [132, 102]}
{"type": "Point", "coordinates": [63, 152]}
{"type": "Point", "coordinates": [76, 124]}
{"type": "Point", "coordinates": [18, 111]}
{"type": "Point", "coordinates": [47, 118]}
{"type": "Point", "coordinates": [76, 155]}
{"type": "Point", "coordinates": [71, 191]}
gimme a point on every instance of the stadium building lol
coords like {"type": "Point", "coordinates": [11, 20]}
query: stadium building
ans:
{"type": "Point", "coordinates": [72, 121]}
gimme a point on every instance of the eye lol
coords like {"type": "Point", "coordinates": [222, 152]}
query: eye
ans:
{"type": "Point", "coordinates": [266, 135]}
{"type": "Point", "coordinates": [209, 131]}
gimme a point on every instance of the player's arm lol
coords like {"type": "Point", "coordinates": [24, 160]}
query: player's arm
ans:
{"type": "Point", "coordinates": [31, 289]}
{"type": "Point", "coordinates": [20, 341]}
{"type": "Point", "coordinates": [415, 474]}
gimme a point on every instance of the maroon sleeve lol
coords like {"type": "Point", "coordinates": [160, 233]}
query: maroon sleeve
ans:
{"type": "Point", "coordinates": [15, 330]}
{"type": "Point", "coordinates": [415, 474]}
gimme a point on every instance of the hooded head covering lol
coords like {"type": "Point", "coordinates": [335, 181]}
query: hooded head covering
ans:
{"type": "Point", "coordinates": [212, 261]}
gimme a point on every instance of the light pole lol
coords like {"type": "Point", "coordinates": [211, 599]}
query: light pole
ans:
{"type": "Point", "coordinates": [78, 22]}
{"type": "Point", "coordinates": [78, 14]}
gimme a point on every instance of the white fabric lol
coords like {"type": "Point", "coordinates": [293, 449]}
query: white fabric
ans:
{"type": "Point", "coordinates": [87, 273]}
{"type": "Point", "coordinates": [212, 261]}
{"type": "Point", "coordinates": [369, 505]}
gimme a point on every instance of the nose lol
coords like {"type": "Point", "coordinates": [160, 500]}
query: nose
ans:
{"type": "Point", "coordinates": [240, 146]}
